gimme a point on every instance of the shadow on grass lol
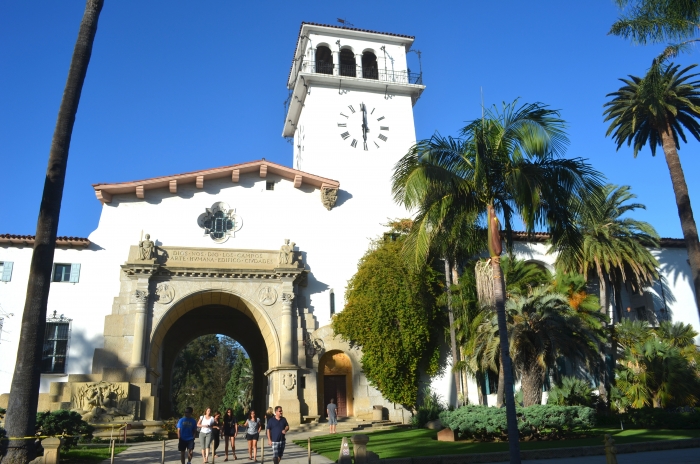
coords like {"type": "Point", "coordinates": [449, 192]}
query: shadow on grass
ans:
{"type": "Point", "coordinates": [88, 455]}
{"type": "Point", "coordinates": [400, 443]}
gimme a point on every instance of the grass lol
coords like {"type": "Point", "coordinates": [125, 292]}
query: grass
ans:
{"type": "Point", "coordinates": [400, 443]}
{"type": "Point", "coordinates": [88, 455]}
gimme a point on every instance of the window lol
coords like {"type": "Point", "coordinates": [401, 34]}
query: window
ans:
{"type": "Point", "coordinates": [66, 272]}
{"type": "Point", "coordinates": [270, 186]}
{"type": "Point", "coordinates": [56, 339]}
{"type": "Point", "coordinates": [332, 302]}
{"type": "Point", "coordinates": [324, 60]}
{"type": "Point", "coordinates": [6, 271]}
{"type": "Point", "coordinates": [348, 66]}
{"type": "Point", "coordinates": [369, 66]}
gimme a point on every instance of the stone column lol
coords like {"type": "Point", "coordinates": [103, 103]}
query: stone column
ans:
{"type": "Point", "coordinates": [311, 57]}
{"type": "Point", "coordinates": [286, 355]}
{"type": "Point", "coordinates": [358, 63]}
{"type": "Point", "coordinates": [139, 328]}
{"type": "Point", "coordinates": [336, 63]}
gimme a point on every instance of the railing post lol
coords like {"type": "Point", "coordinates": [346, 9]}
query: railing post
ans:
{"type": "Point", "coordinates": [309, 449]}
{"type": "Point", "coordinates": [162, 456]}
{"type": "Point", "coordinates": [111, 453]}
{"type": "Point", "coordinates": [262, 451]}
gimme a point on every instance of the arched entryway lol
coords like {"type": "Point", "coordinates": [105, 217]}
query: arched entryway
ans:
{"type": "Point", "coordinates": [335, 381]}
{"type": "Point", "coordinates": [211, 313]}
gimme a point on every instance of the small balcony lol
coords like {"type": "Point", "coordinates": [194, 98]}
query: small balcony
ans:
{"type": "Point", "coordinates": [369, 73]}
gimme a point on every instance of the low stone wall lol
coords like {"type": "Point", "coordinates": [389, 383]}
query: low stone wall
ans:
{"type": "Point", "coordinates": [574, 452]}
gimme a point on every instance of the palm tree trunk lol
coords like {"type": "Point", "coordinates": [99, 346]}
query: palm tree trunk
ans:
{"type": "Point", "coordinates": [451, 320]}
{"type": "Point", "coordinates": [501, 383]}
{"type": "Point", "coordinates": [532, 381]}
{"type": "Point", "coordinates": [499, 293]}
{"type": "Point", "coordinates": [685, 212]}
{"type": "Point", "coordinates": [24, 392]}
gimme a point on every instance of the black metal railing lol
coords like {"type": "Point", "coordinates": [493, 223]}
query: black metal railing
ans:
{"type": "Point", "coordinates": [382, 75]}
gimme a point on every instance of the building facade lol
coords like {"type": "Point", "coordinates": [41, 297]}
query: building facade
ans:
{"type": "Point", "coordinates": [257, 251]}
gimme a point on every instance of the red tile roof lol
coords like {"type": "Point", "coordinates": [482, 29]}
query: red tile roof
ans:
{"type": "Point", "coordinates": [28, 240]}
{"type": "Point", "coordinates": [520, 236]}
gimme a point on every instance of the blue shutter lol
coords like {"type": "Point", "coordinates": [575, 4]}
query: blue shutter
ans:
{"type": "Point", "coordinates": [74, 273]}
{"type": "Point", "coordinates": [486, 383]}
{"type": "Point", "coordinates": [7, 271]}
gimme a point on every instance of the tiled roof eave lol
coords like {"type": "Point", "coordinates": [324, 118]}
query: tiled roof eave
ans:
{"type": "Point", "coordinates": [28, 240]}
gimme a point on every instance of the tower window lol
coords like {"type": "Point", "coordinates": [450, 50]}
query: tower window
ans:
{"type": "Point", "coordinates": [348, 66]}
{"type": "Point", "coordinates": [370, 69]}
{"type": "Point", "coordinates": [55, 352]}
{"type": "Point", "coordinates": [270, 186]}
{"type": "Point", "coordinates": [324, 60]}
{"type": "Point", "coordinates": [332, 296]}
{"type": "Point", "coordinates": [6, 271]}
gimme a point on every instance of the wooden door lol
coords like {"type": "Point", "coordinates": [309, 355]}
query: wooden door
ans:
{"type": "Point", "coordinates": [334, 387]}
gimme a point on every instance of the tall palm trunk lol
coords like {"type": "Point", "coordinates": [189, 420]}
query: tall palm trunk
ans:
{"type": "Point", "coordinates": [451, 320]}
{"type": "Point", "coordinates": [499, 293]}
{"type": "Point", "coordinates": [685, 212]}
{"type": "Point", "coordinates": [532, 381]}
{"type": "Point", "coordinates": [501, 383]}
{"type": "Point", "coordinates": [24, 392]}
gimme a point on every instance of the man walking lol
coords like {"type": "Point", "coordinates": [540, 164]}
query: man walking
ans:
{"type": "Point", "coordinates": [277, 427]}
{"type": "Point", "coordinates": [186, 427]}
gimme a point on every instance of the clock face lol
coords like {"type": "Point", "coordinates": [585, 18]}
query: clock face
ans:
{"type": "Point", "coordinates": [363, 127]}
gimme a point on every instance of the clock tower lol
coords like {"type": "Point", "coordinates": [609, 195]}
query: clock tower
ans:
{"type": "Point", "coordinates": [351, 113]}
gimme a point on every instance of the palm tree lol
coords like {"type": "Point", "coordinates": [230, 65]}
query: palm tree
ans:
{"type": "Point", "coordinates": [614, 248]}
{"type": "Point", "coordinates": [658, 21]}
{"type": "Point", "coordinates": [655, 109]}
{"type": "Point", "coordinates": [24, 392]}
{"type": "Point", "coordinates": [507, 163]}
{"type": "Point", "coordinates": [544, 328]}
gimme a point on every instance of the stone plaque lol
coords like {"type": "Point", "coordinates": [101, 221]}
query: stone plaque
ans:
{"type": "Point", "coordinates": [214, 258]}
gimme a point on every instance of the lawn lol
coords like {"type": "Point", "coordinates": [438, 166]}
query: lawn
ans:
{"type": "Point", "coordinates": [88, 455]}
{"type": "Point", "coordinates": [399, 443]}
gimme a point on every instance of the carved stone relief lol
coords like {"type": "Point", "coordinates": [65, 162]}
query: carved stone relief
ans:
{"type": "Point", "coordinates": [289, 381]}
{"type": "Point", "coordinates": [141, 296]}
{"type": "Point", "coordinates": [165, 293]}
{"type": "Point", "coordinates": [286, 256]}
{"type": "Point", "coordinates": [287, 298]}
{"type": "Point", "coordinates": [267, 296]}
{"type": "Point", "coordinates": [146, 248]}
{"type": "Point", "coordinates": [103, 402]}
{"type": "Point", "coordinates": [328, 197]}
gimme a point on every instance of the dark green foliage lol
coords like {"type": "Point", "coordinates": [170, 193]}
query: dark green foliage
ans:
{"type": "Point", "coordinates": [429, 410]}
{"type": "Point", "coordinates": [534, 422]}
{"type": "Point", "coordinates": [391, 312]}
{"type": "Point", "coordinates": [62, 422]}
{"type": "Point", "coordinates": [201, 372]}
{"type": "Point", "coordinates": [239, 388]}
{"type": "Point", "coordinates": [572, 392]}
{"type": "Point", "coordinates": [654, 418]}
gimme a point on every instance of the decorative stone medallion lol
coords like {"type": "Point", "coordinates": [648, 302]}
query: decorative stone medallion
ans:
{"type": "Point", "coordinates": [220, 222]}
{"type": "Point", "coordinates": [289, 381]}
{"type": "Point", "coordinates": [165, 293]}
{"type": "Point", "coordinates": [267, 296]}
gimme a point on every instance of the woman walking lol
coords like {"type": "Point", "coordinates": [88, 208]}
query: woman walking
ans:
{"type": "Point", "coordinates": [216, 434]}
{"type": "Point", "coordinates": [205, 423]}
{"type": "Point", "coordinates": [252, 434]}
{"type": "Point", "coordinates": [230, 433]}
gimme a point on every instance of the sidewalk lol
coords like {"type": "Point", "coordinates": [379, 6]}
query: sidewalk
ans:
{"type": "Point", "coordinates": [150, 452]}
{"type": "Point", "coordinates": [677, 456]}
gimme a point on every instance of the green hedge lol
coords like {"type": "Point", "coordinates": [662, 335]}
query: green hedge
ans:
{"type": "Point", "coordinates": [62, 422]}
{"type": "Point", "coordinates": [534, 422]}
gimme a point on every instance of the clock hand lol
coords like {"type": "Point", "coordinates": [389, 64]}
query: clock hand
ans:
{"type": "Point", "coordinates": [365, 129]}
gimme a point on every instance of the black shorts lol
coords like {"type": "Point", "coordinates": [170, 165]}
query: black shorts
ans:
{"type": "Point", "coordinates": [183, 445]}
{"type": "Point", "coordinates": [252, 436]}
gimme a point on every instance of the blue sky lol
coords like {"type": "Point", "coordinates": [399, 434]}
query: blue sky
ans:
{"type": "Point", "coordinates": [176, 86]}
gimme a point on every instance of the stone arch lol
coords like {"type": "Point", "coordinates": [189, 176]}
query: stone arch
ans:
{"type": "Point", "coordinates": [335, 372]}
{"type": "Point", "coordinates": [542, 264]}
{"type": "Point", "coordinates": [200, 298]}
{"type": "Point", "coordinates": [214, 311]}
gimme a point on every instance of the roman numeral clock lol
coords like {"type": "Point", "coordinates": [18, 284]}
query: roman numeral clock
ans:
{"type": "Point", "coordinates": [363, 126]}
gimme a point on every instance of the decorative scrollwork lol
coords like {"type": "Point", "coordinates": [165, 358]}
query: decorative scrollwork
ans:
{"type": "Point", "coordinates": [141, 296]}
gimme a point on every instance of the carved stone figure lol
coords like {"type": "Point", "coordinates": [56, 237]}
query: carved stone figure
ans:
{"type": "Point", "coordinates": [146, 248]}
{"type": "Point", "coordinates": [141, 296]}
{"type": "Point", "coordinates": [328, 197]}
{"type": "Point", "coordinates": [165, 293]}
{"type": "Point", "coordinates": [289, 381]}
{"type": "Point", "coordinates": [102, 402]}
{"type": "Point", "coordinates": [267, 296]}
{"type": "Point", "coordinates": [286, 256]}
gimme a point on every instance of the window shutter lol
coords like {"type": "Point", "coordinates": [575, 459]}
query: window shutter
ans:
{"type": "Point", "coordinates": [74, 273]}
{"type": "Point", "coordinates": [7, 271]}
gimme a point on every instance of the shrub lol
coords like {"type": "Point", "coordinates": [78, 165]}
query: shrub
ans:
{"type": "Point", "coordinates": [63, 422]}
{"type": "Point", "coordinates": [655, 418]}
{"type": "Point", "coordinates": [572, 392]}
{"type": "Point", "coordinates": [430, 409]}
{"type": "Point", "coordinates": [534, 422]}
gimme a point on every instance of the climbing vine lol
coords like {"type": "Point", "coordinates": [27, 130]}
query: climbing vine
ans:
{"type": "Point", "coordinates": [391, 312]}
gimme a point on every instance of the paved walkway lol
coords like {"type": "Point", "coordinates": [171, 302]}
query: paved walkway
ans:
{"type": "Point", "coordinates": [150, 452]}
{"type": "Point", "coordinates": [678, 456]}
